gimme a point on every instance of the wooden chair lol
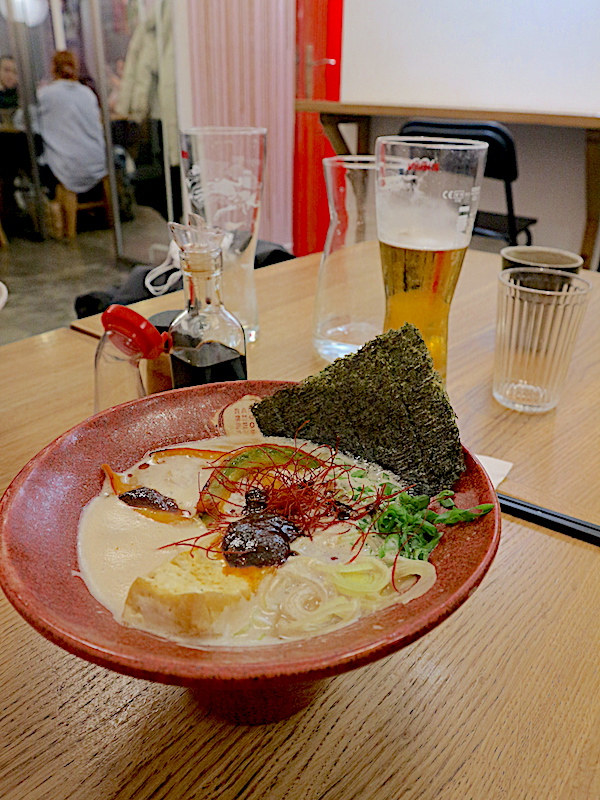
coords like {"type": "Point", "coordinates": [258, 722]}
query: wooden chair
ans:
{"type": "Point", "coordinates": [71, 205]}
{"type": "Point", "coordinates": [3, 239]}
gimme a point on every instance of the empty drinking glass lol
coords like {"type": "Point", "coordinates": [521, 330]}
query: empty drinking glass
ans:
{"type": "Point", "coordinates": [538, 318]}
{"type": "Point", "coordinates": [350, 301]}
{"type": "Point", "coordinates": [223, 174]}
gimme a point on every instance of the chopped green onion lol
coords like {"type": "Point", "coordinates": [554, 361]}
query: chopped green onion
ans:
{"type": "Point", "coordinates": [408, 526]}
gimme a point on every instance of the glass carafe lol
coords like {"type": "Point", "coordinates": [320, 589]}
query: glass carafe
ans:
{"type": "Point", "coordinates": [349, 304]}
{"type": "Point", "coordinates": [222, 169]}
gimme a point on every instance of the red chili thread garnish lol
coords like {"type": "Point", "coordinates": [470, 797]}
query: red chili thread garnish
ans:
{"type": "Point", "coordinates": [309, 497]}
{"type": "Point", "coordinates": [192, 542]}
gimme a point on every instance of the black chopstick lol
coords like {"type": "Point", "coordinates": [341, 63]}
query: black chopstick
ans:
{"type": "Point", "coordinates": [562, 523]}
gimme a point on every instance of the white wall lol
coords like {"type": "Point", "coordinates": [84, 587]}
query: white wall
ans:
{"type": "Point", "coordinates": [519, 55]}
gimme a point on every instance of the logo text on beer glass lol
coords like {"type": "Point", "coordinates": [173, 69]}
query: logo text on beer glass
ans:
{"type": "Point", "coordinates": [462, 196]}
{"type": "Point", "coordinates": [422, 165]}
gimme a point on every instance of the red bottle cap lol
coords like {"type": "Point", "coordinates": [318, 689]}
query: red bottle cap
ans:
{"type": "Point", "coordinates": [132, 334]}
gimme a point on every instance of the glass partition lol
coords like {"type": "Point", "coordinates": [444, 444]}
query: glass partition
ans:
{"type": "Point", "coordinates": [26, 45]}
{"type": "Point", "coordinates": [126, 56]}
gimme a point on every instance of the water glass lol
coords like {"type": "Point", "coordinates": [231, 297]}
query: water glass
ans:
{"type": "Point", "coordinates": [223, 175]}
{"type": "Point", "coordinates": [349, 303]}
{"type": "Point", "coordinates": [538, 317]}
{"type": "Point", "coordinates": [427, 197]}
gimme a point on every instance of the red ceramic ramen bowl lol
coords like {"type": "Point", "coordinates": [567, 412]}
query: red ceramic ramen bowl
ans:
{"type": "Point", "coordinates": [39, 514]}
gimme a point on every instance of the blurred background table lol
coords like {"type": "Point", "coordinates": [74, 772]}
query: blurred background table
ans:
{"type": "Point", "coordinates": [500, 701]}
{"type": "Point", "coordinates": [15, 159]}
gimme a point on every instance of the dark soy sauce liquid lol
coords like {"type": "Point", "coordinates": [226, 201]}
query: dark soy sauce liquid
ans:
{"type": "Point", "coordinates": [210, 362]}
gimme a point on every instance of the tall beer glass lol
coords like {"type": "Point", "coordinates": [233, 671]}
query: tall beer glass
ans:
{"type": "Point", "coordinates": [427, 196]}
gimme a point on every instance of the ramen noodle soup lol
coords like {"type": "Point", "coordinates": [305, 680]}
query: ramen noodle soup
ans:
{"type": "Point", "coordinates": [227, 542]}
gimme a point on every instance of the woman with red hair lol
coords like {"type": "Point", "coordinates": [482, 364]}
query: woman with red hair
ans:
{"type": "Point", "coordinates": [68, 120]}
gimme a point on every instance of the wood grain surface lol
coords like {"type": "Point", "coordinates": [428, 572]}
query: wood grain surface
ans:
{"type": "Point", "coordinates": [47, 387]}
{"type": "Point", "coordinates": [500, 702]}
{"type": "Point", "coordinates": [550, 452]}
{"type": "Point", "coordinates": [506, 115]}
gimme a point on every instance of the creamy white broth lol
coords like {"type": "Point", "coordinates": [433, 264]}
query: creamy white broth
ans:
{"type": "Point", "coordinates": [117, 545]}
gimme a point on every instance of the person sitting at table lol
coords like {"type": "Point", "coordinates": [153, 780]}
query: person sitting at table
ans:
{"type": "Point", "coordinates": [67, 117]}
{"type": "Point", "coordinates": [9, 94]}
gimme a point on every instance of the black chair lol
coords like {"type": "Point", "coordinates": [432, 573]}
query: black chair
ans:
{"type": "Point", "coordinates": [501, 165]}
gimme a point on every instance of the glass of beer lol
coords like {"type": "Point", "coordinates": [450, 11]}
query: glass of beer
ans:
{"type": "Point", "coordinates": [427, 196]}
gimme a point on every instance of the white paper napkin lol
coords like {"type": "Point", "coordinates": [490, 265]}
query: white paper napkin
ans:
{"type": "Point", "coordinates": [495, 468]}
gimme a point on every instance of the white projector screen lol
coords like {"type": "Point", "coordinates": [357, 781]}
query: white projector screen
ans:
{"type": "Point", "coordinates": [505, 55]}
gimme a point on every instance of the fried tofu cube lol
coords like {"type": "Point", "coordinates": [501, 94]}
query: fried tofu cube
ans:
{"type": "Point", "coordinates": [184, 596]}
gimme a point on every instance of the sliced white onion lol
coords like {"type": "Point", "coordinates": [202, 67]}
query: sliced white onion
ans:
{"type": "Point", "coordinates": [423, 570]}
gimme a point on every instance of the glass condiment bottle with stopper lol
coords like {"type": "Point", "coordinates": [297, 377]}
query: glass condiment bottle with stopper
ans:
{"type": "Point", "coordinates": [128, 338]}
{"type": "Point", "coordinates": [208, 341]}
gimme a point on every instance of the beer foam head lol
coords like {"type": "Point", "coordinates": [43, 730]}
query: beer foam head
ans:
{"type": "Point", "coordinates": [408, 217]}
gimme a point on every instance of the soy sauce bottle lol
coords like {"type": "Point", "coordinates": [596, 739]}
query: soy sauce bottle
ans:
{"type": "Point", "coordinates": [208, 341]}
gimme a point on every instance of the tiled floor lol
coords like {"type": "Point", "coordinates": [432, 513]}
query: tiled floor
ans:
{"type": "Point", "coordinates": [44, 278]}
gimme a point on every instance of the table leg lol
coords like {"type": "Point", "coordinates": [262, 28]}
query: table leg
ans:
{"type": "Point", "coordinates": [592, 196]}
{"type": "Point", "coordinates": [331, 123]}
{"type": "Point", "coordinates": [364, 130]}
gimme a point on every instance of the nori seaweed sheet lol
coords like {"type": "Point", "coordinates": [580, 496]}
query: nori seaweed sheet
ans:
{"type": "Point", "coordinates": [385, 404]}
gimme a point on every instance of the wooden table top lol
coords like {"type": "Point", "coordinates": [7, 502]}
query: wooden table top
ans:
{"type": "Point", "coordinates": [500, 701]}
{"type": "Point", "coordinates": [391, 110]}
{"type": "Point", "coordinates": [47, 387]}
{"type": "Point", "coordinates": [547, 450]}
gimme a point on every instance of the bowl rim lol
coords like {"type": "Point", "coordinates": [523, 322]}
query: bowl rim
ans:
{"type": "Point", "coordinates": [307, 659]}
